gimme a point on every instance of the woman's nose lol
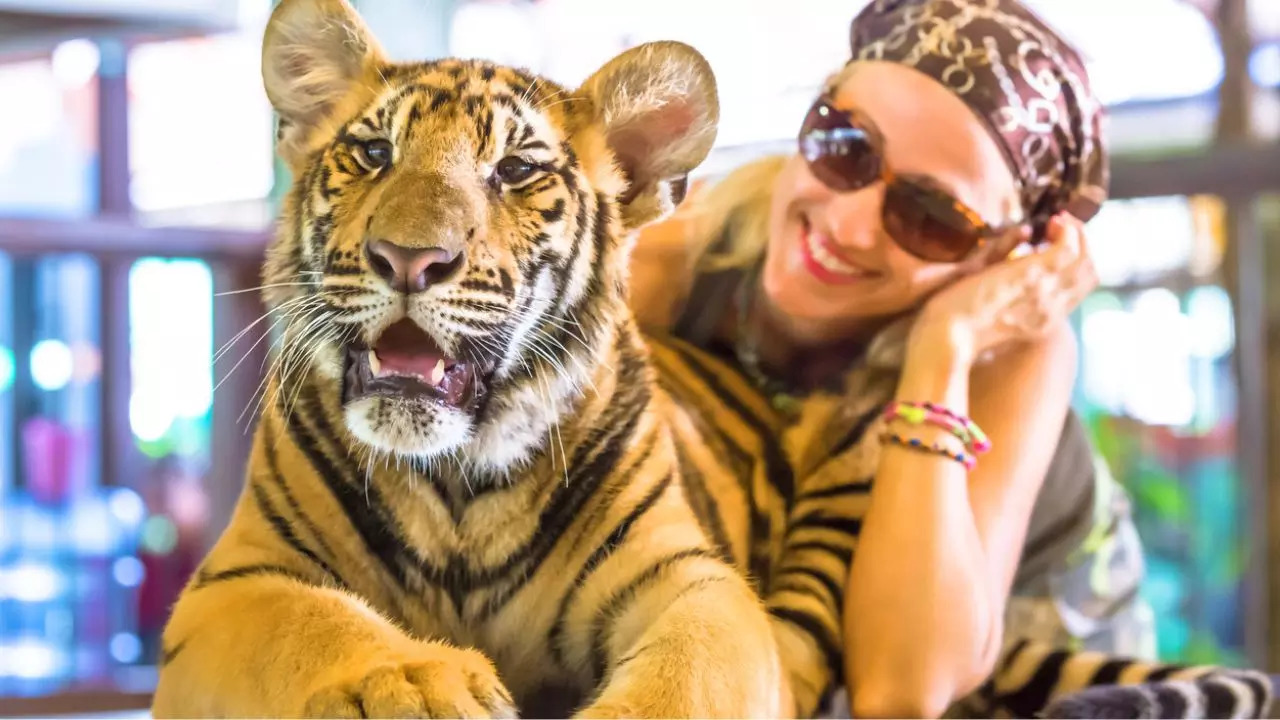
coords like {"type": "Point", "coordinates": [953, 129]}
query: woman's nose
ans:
{"type": "Point", "coordinates": [853, 217]}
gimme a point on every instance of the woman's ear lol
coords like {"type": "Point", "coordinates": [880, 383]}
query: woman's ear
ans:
{"type": "Point", "coordinates": [658, 107]}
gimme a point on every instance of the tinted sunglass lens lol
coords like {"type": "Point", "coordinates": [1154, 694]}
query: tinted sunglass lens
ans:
{"type": "Point", "coordinates": [840, 154]}
{"type": "Point", "coordinates": [924, 223]}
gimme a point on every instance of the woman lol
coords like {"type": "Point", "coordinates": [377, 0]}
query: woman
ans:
{"type": "Point", "coordinates": [925, 245]}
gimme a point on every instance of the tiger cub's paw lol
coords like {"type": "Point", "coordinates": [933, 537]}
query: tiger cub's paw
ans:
{"type": "Point", "coordinates": [445, 682]}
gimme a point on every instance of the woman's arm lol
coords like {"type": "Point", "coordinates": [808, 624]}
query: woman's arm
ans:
{"type": "Point", "coordinates": [940, 546]}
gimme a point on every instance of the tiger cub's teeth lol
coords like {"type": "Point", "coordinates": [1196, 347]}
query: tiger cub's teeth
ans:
{"type": "Point", "coordinates": [375, 365]}
{"type": "Point", "coordinates": [437, 373]}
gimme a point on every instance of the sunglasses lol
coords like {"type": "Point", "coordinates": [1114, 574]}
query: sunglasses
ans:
{"type": "Point", "coordinates": [844, 150]}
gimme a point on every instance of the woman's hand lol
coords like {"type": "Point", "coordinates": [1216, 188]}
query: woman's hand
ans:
{"type": "Point", "coordinates": [1012, 301]}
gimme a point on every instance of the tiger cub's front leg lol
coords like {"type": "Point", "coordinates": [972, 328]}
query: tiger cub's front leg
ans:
{"type": "Point", "coordinates": [268, 637]}
{"type": "Point", "coordinates": [693, 644]}
{"type": "Point", "coordinates": [669, 629]}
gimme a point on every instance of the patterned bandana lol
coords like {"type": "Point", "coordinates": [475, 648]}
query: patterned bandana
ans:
{"type": "Point", "coordinates": [1025, 82]}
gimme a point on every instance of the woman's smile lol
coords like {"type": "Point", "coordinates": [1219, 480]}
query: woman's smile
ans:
{"type": "Point", "coordinates": [826, 261]}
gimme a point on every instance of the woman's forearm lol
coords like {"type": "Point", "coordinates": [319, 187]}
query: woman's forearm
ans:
{"type": "Point", "coordinates": [920, 608]}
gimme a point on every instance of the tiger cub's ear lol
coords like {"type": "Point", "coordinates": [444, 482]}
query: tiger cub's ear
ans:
{"type": "Point", "coordinates": [315, 55]}
{"type": "Point", "coordinates": [658, 106]}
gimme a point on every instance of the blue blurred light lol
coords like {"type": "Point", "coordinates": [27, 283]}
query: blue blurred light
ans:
{"type": "Point", "coordinates": [1212, 333]}
{"type": "Point", "coordinates": [31, 582]}
{"type": "Point", "coordinates": [1264, 65]}
{"type": "Point", "coordinates": [126, 647]}
{"type": "Point", "coordinates": [128, 571]}
{"type": "Point", "coordinates": [51, 364]}
{"type": "Point", "coordinates": [6, 368]}
{"type": "Point", "coordinates": [127, 506]}
{"type": "Point", "coordinates": [30, 658]}
{"type": "Point", "coordinates": [93, 529]}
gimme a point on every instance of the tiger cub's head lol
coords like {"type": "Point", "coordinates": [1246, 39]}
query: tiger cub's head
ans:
{"type": "Point", "coordinates": [455, 239]}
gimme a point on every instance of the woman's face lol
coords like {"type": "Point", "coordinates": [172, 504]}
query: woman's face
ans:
{"type": "Point", "coordinates": [831, 270]}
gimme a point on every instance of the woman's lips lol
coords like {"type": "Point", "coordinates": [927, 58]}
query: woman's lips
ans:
{"type": "Point", "coordinates": [827, 262]}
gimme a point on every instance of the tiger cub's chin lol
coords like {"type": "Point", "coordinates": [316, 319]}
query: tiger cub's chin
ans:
{"type": "Point", "coordinates": [407, 426]}
{"type": "Point", "coordinates": [406, 395]}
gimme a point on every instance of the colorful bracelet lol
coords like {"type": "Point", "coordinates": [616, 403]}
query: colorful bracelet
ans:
{"type": "Point", "coordinates": [968, 460]}
{"type": "Point", "coordinates": [928, 413]}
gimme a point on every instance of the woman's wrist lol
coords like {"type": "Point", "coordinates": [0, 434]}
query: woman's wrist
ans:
{"type": "Point", "coordinates": [936, 369]}
{"type": "Point", "coordinates": [944, 334]}
{"type": "Point", "coordinates": [938, 374]}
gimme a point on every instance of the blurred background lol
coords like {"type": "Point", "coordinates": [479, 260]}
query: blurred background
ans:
{"type": "Point", "coordinates": [137, 187]}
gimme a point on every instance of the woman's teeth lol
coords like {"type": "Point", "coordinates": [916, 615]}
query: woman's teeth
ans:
{"type": "Point", "coordinates": [819, 251]}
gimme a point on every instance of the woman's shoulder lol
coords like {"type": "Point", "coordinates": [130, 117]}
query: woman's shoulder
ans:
{"type": "Point", "coordinates": [718, 224]}
{"type": "Point", "coordinates": [663, 261]}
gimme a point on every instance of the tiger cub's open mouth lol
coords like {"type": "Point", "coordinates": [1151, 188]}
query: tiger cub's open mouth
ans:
{"type": "Point", "coordinates": [406, 363]}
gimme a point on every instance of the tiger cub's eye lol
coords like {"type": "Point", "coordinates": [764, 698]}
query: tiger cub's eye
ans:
{"type": "Point", "coordinates": [374, 154]}
{"type": "Point", "coordinates": [513, 170]}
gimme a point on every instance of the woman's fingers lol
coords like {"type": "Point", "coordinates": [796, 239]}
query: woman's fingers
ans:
{"type": "Point", "coordinates": [1065, 238]}
{"type": "Point", "coordinates": [1070, 261]}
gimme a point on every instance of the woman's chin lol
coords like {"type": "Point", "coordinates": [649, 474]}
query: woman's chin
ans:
{"type": "Point", "coordinates": [796, 292]}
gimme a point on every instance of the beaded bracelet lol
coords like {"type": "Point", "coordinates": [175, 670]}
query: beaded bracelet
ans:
{"type": "Point", "coordinates": [928, 413]}
{"type": "Point", "coordinates": [968, 460]}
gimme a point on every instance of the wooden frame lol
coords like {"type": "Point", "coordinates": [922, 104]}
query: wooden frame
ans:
{"type": "Point", "coordinates": [119, 238]}
{"type": "Point", "coordinates": [1237, 171]}
{"type": "Point", "coordinates": [74, 703]}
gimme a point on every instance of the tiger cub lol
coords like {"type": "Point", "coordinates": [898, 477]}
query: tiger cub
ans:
{"type": "Point", "coordinates": [463, 496]}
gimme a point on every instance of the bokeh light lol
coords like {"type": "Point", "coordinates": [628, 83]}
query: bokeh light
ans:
{"type": "Point", "coordinates": [51, 365]}
{"type": "Point", "coordinates": [86, 362]}
{"type": "Point", "coordinates": [159, 535]}
{"type": "Point", "coordinates": [126, 647]}
{"type": "Point", "coordinates": [128, 571]}
{"type": "Point", "coordinates": [30, 582]}
{"type": "Point", "coordinates": [127, 506]}
{"type": "Point", "coordinates": [75, 62]}
{"type": "Point", "coordinates": [6, 368]}
{"type": "Point", "coordinates": [1212, 323]}
{"type": "Point", "coordinates": [171, 335]}
{"type": "Point", "coordinates": [30, 658]}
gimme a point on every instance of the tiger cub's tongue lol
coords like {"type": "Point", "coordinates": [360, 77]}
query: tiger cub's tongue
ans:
{"type": "Point", "coordinates": [404, 349]}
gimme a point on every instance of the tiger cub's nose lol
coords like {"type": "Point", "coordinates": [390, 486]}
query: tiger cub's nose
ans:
{"type": "Point", "coordinates": [411, 269]}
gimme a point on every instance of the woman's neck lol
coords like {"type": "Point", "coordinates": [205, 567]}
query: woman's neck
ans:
{"type": "Point", "coordinates": [805, 352]}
